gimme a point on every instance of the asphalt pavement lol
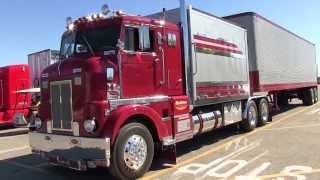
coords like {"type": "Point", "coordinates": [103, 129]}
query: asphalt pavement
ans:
{"type": "Point", "coordinates": [286, 148]}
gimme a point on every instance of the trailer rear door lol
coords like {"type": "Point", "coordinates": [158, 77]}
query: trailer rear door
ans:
{"type": "Point", "coordinates": [218, 59]}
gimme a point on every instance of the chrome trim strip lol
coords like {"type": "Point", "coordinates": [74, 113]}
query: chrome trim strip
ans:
{"type": "Point", "coordinates": [182, 116]}
{"type": "Point", "coordinates": [144, 100]}
{"type": "Point", "coordinates": [169, 140]}
{"type": "Point", "coordinates": [187, 52]}
{"type": "Point", "coordinates": [166, 119]}
{"type": "Point", "coordinates": [120, 72]}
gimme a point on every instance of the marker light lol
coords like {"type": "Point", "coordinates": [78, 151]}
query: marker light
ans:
{"type": "Point", "coordinates": [69, 21]}
{"type": "Point", "coordinates": [105, 9]}
{"type": "Point", "coordinates": [71, 27]}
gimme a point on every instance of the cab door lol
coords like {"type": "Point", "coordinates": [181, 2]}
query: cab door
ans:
{"type": "Point", "coordinates": [140, 63]}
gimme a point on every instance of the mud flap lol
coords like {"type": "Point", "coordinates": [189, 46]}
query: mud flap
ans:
{"type": "Point", "coordinates": [168, 154]}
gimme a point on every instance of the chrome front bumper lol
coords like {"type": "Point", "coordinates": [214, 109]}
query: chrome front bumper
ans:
{"type": "Point", "coordinates": [73, 152]}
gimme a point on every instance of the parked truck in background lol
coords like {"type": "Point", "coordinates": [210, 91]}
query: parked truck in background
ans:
{"type": "Point", "coordinates": [14, 106]}
{"type": "Point", "coordinates": [19, 88]}
{"type": "Point", "coordinates": [37, 62]}
{"type": "Point", "coordinates": [130, 86]}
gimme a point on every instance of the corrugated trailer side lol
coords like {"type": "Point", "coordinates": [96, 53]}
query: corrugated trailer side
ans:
{"type": "Point", "coordinates": [217, 70]}
{"type": "Point", "coordinates": [279, 60]}
{"type": "Point", "coordinates": [39, 61]}
{"type": "Point", "coordinates": [219, 59]}
{"type": "Point", "coordinates": [282, 64]}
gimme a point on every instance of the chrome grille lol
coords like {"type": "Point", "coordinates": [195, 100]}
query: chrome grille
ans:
{"type": "Point", "coordinates": [61, 105]}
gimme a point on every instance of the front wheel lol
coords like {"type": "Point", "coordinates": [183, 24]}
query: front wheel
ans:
{"type": "Point", "coordinates": [133, 152]}
{"type": "Point", "coordinates": [250, 123]}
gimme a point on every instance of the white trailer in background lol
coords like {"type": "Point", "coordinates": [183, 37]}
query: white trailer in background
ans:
{"type": "Point", "coordinates": [38, 61]}
{"type": "Point", "coordinates": [281, 63]}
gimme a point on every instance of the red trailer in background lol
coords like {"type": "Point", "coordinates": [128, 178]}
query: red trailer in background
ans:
{"type": "Point", "coordinates": [14, 106]}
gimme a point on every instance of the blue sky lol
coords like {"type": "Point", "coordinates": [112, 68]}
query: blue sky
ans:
{"type": "Point", "coordinates": [33, 25]}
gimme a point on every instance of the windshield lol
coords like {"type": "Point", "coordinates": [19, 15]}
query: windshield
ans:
{"type": "Point", "coordinates": [90, 41]}
{"type": "Point", "coordinates": [67, 44]}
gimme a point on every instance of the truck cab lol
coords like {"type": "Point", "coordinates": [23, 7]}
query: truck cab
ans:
{"type": "Point", "coordinates": [115, 70]}
{"type": "Point", "coordinates": [131, 87]}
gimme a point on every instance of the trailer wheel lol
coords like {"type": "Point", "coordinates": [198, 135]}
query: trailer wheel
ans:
{"type": "Point", "coordinates": [308, 97]}
{"type": "Point", "coordinates": [315, 92]}
{"type": "Point", "coordinates": [251, 121]}
{"type": "Point", "coordinates": [132, 153]}
{"type": "Point", "coordinates": [263, 112]}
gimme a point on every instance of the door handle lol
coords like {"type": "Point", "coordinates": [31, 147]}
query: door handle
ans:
{"type": "Point", "coordinates": [156, 60]}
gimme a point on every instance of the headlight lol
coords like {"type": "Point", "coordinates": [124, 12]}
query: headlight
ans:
{"type": "Point", "coordinates": [89, 125]}
{"type": "Point", "coordinates": [38, 123]}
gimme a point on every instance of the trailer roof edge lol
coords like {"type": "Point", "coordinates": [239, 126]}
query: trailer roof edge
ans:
{"type": "Point", "coordinates": [273, 23]}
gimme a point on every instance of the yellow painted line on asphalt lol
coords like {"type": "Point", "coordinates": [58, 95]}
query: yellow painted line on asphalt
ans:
{"type": "Point", "coordinates": [219, 147]}
{"type": "Point", "coordinates": [288, 174]}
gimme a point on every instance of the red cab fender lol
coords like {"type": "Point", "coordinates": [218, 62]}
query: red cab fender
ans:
{"type": "Point", "coordinates": [123, 114]}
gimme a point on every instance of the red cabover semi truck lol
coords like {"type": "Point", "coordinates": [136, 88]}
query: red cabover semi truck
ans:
{"type": "Point", "coordinates": [14, 106]}
{"type": "Point", "coordinates": [130, 86]}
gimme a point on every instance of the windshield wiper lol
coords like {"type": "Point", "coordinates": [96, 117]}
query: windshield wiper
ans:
{"type": "Point", "coordinates": [86, 41]}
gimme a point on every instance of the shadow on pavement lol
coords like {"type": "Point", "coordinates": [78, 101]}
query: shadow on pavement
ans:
{"type": "Point", "coordinates": [32, 167]}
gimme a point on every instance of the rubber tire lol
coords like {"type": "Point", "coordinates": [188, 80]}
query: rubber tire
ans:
{"type": "Point", "coordinates": [245, 124]}
{"type": "Point", "coordinates": [315, 93]}
{"type": "Point", "coordinates": [308, 95]}
{"type": "Point", "coordinates": [262, 122]}
{"type": "Point", "coordinates": [118, 167]}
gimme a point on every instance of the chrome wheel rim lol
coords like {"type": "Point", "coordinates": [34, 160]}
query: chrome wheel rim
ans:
{"type": "Point", "coordinates": [264, 112]}
{"type": "Point", "coordinates": [252, 116]}
{"type": "Point", "coordinates": [135, 152]}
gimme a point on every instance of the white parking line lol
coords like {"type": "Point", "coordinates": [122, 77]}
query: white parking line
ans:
{"type": "Point", "coordinates": [14, 149]}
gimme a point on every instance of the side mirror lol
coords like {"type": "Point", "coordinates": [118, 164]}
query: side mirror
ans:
{"type": "Point", "coordinates": [144, 38]}
{"type": "Point", "coordinates": [120, 44]}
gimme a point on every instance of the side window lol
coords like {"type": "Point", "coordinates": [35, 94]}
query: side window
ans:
{"type": "Point", "coordinates": [139, 39]}
{"type": "Point", "coordinates": [172, 40]}
{"type": "Point", "coordinates": [131, 42]}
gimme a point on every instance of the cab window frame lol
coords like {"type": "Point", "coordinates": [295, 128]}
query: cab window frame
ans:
{"type": "Point", "coordinates": [135, 45]}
